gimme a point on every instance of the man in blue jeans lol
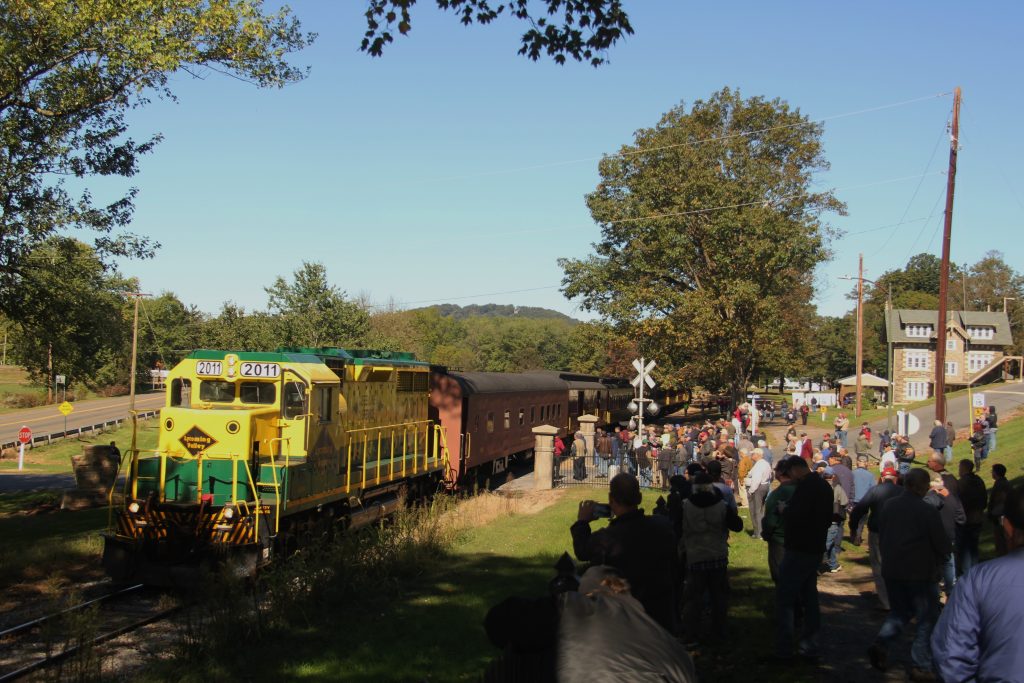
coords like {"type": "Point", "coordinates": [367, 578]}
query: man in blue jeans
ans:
{"type": "Point", "coordinates": [914, 548]}
{"type": "Point", "coordinates": [806, 519]}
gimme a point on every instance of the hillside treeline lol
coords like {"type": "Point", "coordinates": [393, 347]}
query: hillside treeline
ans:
{"type": "Point", "coordinates": [75, 319]}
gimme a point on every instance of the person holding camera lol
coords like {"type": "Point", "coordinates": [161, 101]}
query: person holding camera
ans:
{"type": "Point", "coordinates": [641, 548]}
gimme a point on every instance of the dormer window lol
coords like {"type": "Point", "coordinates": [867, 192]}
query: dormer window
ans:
{"type": "Point", "coordinates": [923, 331]}
{"type": "Point", "coordinates": [981, 332]}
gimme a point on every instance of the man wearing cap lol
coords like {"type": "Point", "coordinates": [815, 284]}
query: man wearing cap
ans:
{"type": "Point", "coordinates": [914, 547]}
{"type": "Point", "coordinates": [980, 635]}
{"type": "Point", "coordinates": [642, 548]}
{"type": "Point", "coordinates": [863, 481]}
{"type": "Point", "coordinates": [871, 506]}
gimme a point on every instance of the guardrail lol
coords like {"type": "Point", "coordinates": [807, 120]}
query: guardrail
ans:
{"type": "Point", "coordinates": [78, 431]}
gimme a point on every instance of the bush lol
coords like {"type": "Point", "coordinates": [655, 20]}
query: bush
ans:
{"type": "Point", "coordinates": [25, 400]}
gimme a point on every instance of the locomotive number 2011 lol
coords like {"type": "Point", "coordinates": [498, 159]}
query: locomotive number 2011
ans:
{"type": "Point", "coordinates": [208, 367]}
{"type": "Point", "coordinates": [261, 370]}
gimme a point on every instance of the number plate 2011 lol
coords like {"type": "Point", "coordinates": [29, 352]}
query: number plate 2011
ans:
{"type": "Point", "coordinates": [250, 369]}
{"type": "Point", "coordinates": [208, 367]}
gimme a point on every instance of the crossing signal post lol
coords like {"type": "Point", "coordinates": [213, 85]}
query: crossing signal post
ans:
{"type": "Point", "coordinates": [643, 378]}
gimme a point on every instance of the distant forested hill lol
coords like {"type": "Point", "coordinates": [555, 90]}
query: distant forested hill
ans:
{"type": "Point", "coordinates": [499, 311]}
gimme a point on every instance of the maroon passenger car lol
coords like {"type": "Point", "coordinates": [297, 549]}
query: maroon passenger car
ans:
{"type": "Point", "coordinates": [489, 416]}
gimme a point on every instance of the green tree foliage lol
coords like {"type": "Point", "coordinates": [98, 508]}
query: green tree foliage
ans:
{"type": "Point", "coordinates": [73, 309]}
{"type": "Point", "coordinates": [596, 348]}
{"type": "Point", "coordinates": [312, 312]}
{"type": "Point", "coordinates": [71, 70]}
{"type": "Point", "coordinates": [168, 331]}
{"type": "Point", "coordinates": [989, 282]}
{"type": "Point", "coordinates": [708, 288]}
{"type": "Point", "coordinates": [580, 29]}
{"type": "Point", "coordinates": [233, 328]}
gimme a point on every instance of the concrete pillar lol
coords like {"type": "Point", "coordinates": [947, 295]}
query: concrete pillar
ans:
{"type": "Point", "coordinates": [543, 454]}
{"type": "Point", "coordinates": [587, 425]}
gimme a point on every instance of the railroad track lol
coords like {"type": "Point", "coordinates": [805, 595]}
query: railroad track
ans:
{"type": "Point", "coordinates": [75, 630]}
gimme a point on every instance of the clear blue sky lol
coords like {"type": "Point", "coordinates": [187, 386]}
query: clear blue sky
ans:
{"type": "Point", "coordinates": [453, 167]}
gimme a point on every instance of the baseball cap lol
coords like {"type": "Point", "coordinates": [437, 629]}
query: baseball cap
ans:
{"type": "Point", "coordinates": [889, 472]}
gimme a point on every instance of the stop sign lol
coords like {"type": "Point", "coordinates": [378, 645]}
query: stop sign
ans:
{"type": "Point", "coordinates": [25, 435]}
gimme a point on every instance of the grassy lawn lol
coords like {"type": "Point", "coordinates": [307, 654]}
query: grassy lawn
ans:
{"type": "Point", "coordinates": [431, 629]}
{"type": "Point", "coordinates": [56, 458]}
{"type": "Point", "coordinates": [44, 548]}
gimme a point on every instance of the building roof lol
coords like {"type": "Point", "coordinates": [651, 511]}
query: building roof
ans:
{"type": "Point", "coordinates": [898, 318]}
{"type": "Point", "coordinates": [866, 380]}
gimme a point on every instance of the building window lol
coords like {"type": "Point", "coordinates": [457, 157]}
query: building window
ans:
{"type": "Point", "coordinates": [951, 344]}
{"type": "Point", "coordinates": [533, 414]}
{"type": "Point", "coordinates": [976, 360]}
{"type": "Point", "coordinates": [952, 369]}
{"type": "Point", "coordinates": [919, 331]}
{"type": "Point", "coordinates": [508, 419]}
{"type": "Point", "coordinates": [916, 391]}
{"type": "Point", "coordinates": [490, 422]}
{"type": "Point", "coordinates": [522, 416]}
{"type": "Point", "coordinates": [981, 332]}
{"type": "Point", "coordinates": [916, 360]}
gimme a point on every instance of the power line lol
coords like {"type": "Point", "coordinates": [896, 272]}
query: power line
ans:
{"type": "Point", "coordinates": [916, 190]}
{"type": "Point", "coordinates": [719, 138]}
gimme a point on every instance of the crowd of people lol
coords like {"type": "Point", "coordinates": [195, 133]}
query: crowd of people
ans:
{"type": "Point", "coordinates": [923, 529]}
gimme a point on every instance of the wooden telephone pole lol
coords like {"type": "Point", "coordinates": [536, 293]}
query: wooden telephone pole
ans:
{"type": "Point", "coordinates": [860, 330]}
{"type": "Point", "coordinates": [940, 349]}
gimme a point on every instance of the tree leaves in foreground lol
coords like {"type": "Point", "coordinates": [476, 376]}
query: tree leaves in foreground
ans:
{"type": "Point", "coordinates": [710, 233]}
{"type": "Point", "coordinates": [69, 72]}
{"type": "Point", "coordinates": [580, 29]}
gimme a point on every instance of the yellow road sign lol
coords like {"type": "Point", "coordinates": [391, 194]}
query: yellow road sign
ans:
{"type": "Point", "coordinates": [66, 408]}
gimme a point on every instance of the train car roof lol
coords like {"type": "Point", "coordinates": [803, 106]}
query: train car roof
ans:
{"type": "Point", "coordinates": [501, 382]}
{"type": "Point", "coordinates": [576, 380]}
{"type": "Point", "coordinates": [319, 355]}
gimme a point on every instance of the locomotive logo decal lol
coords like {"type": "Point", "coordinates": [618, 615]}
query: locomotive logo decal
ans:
{"type": "Point", "coordinates": [196, 440]}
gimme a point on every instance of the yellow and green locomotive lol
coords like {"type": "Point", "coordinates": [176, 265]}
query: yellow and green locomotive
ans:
{"type": "Point", "coordinates": [258, 448]}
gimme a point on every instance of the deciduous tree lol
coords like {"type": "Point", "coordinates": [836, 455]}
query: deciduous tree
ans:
{"type": "Point", "coordinates": [312, 312]}
{"type": "Point", "coordinates": [579, 29]}
{"type": "Point", "coordinates": [710, 233]}
{"type": "Point", "coordinates": [70, 70]}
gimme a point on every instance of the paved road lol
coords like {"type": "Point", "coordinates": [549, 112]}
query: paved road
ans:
{"type": "Point", "coordinates": [49, 419]}
{"type": "Point", "coordinates": [1005, 397]}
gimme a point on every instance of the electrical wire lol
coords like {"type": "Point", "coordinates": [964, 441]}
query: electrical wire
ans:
{"type": "Point", "coordinates": [917, 189]}
{"type": "Point", "coordinates": [718, 138]}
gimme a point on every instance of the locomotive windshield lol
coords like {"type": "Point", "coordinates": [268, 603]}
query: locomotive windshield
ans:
{"type": "Point", "coordinates": [263, 393]}
{"type": "Point", "coordinates": [216, 391]}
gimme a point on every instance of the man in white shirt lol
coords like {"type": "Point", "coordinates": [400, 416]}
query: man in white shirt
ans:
{"type": "Point", "coordinates": [757, 483]}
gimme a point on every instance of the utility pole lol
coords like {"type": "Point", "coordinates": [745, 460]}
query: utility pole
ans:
{"type": "Point", "coordinates": [49, 373]}
{"type": "Point", "coordinates": [860, 330]}
{"type": "Point", "coordinates": [940, 348]}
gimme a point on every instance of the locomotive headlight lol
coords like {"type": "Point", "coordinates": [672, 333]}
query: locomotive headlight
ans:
{"type": "Point", "coordinates": [229, 512]}
{"type": "Point", "coordinates": [133, 507]}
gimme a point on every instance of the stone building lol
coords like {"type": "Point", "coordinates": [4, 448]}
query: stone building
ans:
{"type": "Point", "coordinates": [976, 345]}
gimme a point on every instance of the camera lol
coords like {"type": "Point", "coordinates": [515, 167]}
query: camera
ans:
{"type": "Point", "coordinates": [602, 510]}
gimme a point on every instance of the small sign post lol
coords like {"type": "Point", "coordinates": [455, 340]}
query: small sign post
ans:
{"type": "Point", "coordinates": [66, 409]}
{"type": "Point", "coordinates": [24, 437]}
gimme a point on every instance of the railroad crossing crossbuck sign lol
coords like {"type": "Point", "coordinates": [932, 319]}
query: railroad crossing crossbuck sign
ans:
{"type": "Point", "coordinates": [645, 374]}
